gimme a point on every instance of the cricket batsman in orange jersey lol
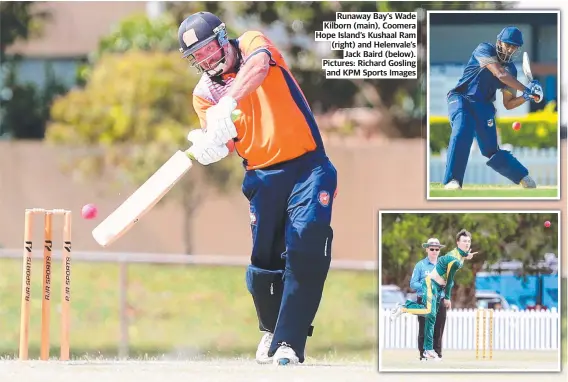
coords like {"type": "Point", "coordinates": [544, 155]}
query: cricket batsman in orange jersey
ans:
{"type": "Point", "coordinates": [289, 181]}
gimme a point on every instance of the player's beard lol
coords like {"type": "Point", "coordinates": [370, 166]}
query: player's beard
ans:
{"type": "Point", "coordinates": [211, 69]}
{"type": "Point", "coordinates": [217, 70]}
{"type": "Point", "coordinates": [221, 66]}
{"type": "Point", "coordinates": [505, 56]}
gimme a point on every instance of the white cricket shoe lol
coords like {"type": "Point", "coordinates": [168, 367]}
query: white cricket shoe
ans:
{"type": "Point", "coordinates": [285, 355]}
{"type": "Point", "coordinates": [528, 182]}
{"type": "Point", "coordinates": [396, 312]}
{"type": "Point", "coordinates": [452, 185]}
{"type": "Point", "coordinates": [263, 347]}
{"type": "Point", "coordinates": [431, 355]}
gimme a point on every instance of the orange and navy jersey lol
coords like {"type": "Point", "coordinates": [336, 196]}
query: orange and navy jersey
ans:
{"type": "Point", "coordinates": [276, 124]}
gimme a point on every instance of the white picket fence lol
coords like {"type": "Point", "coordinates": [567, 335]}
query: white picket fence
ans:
{"type": "Point", "coordinates": [512, 330]}
{"type": "Point", "coordinates": [541, 163]}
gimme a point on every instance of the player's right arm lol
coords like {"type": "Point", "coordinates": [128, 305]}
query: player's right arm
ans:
{"type": "Point", "coordinates": [510, 101]}
{"type": "Point", "coordinates": [505, 77]}
{"type": "Point", "coordinates": [415, 282]}
{"type": "Point", "coordinates": [257, 61]}
{"type": "Point", "coordinates": [487, 58]}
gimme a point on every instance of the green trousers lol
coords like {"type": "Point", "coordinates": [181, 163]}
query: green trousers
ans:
{"type": "Point", "coordinates": [431, 292]}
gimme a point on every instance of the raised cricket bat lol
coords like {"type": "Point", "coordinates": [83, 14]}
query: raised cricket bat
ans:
{"type": "Point", "coordinates": [145, 197]}
{"type": "Point", "coordinates": [527, 67]}
{"type": "Point", "coordinates": [527, 70]}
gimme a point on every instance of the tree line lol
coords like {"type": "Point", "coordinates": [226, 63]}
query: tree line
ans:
{"type": "Point", "coordinates": [496, 236]}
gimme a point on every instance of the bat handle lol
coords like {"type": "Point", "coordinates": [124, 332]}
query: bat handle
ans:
{"type": "Point", "coordinates": [234, 116]}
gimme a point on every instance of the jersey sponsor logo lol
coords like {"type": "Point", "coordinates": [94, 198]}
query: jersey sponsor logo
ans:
{"type": "Point", "coordinates": [323, 198]}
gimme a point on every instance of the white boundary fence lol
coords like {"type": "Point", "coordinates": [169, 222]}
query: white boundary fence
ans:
{"type": "Point", "coordinates": [542, 165]}
{"type": "Point", "coordinates": [512, 330]}
{"type": "Point", "coordinates": [169, 258]}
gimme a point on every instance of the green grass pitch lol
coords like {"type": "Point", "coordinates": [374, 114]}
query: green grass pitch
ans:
{"type": "Point", "coordinates": [492, 191]}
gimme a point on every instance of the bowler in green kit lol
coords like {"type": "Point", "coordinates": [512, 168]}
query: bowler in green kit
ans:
{"type": "Point", "coordinates": [440, 280]}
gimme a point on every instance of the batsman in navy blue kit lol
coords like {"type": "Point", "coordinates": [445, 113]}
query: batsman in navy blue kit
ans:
{"type": "Point", "coordinates": [472, 112]}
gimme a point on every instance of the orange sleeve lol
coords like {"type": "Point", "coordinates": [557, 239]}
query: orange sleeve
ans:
{"type": "Point", "coordinates": [253, 42]}
{"type": "Point", "coordinates": [201, 105]}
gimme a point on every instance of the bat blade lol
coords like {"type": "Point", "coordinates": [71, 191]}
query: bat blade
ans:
{"type": "Point", "coordinates": [527, 67]}
{"type": "Point", "coordinates": [142, 200]}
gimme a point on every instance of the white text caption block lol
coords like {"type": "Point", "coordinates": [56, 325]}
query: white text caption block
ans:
{"type": "Point", "coordinates": [374, 45]}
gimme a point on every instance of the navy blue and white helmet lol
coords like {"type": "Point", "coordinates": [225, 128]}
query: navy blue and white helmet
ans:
{"type": "Point", "coordinates": [200, 30]}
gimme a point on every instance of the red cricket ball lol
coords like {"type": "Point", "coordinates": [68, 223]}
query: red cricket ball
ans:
{"type": "Point", "coordinates": [89, 211]}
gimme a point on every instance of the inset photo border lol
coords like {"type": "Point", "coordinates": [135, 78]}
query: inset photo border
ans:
{"type": "Point", "coordinates": [505, 302]}
{"type": "Point", "coordinates": [485, 152]}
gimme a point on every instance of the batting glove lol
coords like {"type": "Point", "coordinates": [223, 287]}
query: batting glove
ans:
{"type": "Point", "coordinates": [220, 126]}
{"type": "Point", "coordinates": [203, 150]}
{"type": "Point", "coordinates": [533, 89]}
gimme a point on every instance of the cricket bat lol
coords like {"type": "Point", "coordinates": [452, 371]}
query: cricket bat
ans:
{"type": "Point", "coordinates": [527, 70]}
{"type": "Point", "coordinates": [527, 67]}
{"type": "Point", "coordinates": [145, 197]}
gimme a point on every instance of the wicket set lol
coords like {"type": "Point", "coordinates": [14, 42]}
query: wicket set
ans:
{"type": "Point", "coordinates": [46, 286]}
{"type": "Point", "coordinates": [486, 315]}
